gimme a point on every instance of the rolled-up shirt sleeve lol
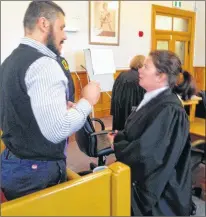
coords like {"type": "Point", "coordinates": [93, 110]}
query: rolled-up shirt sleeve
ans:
{"type": "Point", "coordinates": [46, 86]}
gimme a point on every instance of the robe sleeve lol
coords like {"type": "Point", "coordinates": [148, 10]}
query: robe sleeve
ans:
{"type": "Point", "coordinates": [157, 151]}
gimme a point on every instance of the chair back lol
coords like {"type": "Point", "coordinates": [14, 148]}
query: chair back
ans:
{"type": "Point", "coordinates": [87, 143]}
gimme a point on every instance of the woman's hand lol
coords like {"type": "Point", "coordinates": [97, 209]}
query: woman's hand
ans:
{"type": "Point", "coordinates": [111, 136]}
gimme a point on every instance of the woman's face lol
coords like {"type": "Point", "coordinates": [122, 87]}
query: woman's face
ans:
{"type": "Point", "coordinates": [149, 78]}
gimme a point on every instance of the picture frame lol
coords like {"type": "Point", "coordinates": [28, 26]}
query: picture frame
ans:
{"type": "Point", "coordinates": [104, 22]}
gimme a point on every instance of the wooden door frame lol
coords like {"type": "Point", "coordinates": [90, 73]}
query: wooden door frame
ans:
{"type": "Point", "coordinates": [163, 38]}
{"type": "Point", "coordinates": [186, 40]}
{"type": "Point", "coordinates": [167, 11]}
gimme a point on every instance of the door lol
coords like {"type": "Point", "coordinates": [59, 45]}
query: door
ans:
{"type": "Point", "coordinates": [163, 42]}
{"type": "Point", "coordinates": [173, 29]}
{"type": "Point", "coordinates": [177, 44]}
{"type": "Point", "coordinates": [180, 45]}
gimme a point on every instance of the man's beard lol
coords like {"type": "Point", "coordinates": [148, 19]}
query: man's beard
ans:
{"type": "Point", "coordinates": [51, 43]}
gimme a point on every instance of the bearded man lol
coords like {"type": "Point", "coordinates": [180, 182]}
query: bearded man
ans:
{"type": "Point", "coordinates": [36, 116]}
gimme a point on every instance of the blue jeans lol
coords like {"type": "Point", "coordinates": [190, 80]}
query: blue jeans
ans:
{"type": "Point", "coordinates": [20, 177]}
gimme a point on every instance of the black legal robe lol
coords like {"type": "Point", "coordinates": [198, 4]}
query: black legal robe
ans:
{"type": "Point", "coordinates": [155, 144]}
{"type": "Point", "coordinates": [126, 93]}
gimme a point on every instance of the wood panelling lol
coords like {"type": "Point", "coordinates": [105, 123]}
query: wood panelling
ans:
{"type": "Point", "coordinates": [199, 76]}
{"type": "Point", "coordinates": [102, 108]}
{"type": "Point", "coordinates": [83, 79]}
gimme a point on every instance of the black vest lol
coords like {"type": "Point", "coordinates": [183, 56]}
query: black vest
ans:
{"type": "Point", "coordinates": [21, 133]}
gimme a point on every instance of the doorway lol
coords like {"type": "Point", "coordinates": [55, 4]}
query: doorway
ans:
{"type": "Point", "coordinates": [173, 29]}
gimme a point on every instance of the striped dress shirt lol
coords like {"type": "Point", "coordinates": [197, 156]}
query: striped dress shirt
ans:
{"type": "Point", "coordinates": [47, 86]}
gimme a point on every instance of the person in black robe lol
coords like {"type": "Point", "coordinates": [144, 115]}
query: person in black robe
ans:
{"type": "Point", "coordinates": [126, 93]}
{"type": "Point", "coordinates": [155, 142]}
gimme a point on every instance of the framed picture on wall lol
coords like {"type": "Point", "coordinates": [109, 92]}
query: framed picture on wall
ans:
{"type": "Point", "coordinates": [104, 22]}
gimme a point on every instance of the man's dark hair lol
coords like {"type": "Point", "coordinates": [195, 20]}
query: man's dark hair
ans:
{"type": "Point", "coordinates": [37, 9]}
{"type": "Point", "coordinates": [169, 63]}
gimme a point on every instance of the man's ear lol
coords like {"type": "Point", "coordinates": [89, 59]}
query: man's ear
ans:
{"type": "Point", "coordinates": [43, 24]}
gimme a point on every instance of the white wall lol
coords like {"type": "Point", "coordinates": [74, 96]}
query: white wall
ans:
{"type": "Point", "coordinates": [199, 57]}
{"type": "Point", "coordinates": [12, 13]}
{"type": "Point", "coordinates": [135, 16]}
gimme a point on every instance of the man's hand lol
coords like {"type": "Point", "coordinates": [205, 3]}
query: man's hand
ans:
{"type": "Point", "coordinates": [70, 105]}
{"type": "Point", "coordinates": [91, 92]}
